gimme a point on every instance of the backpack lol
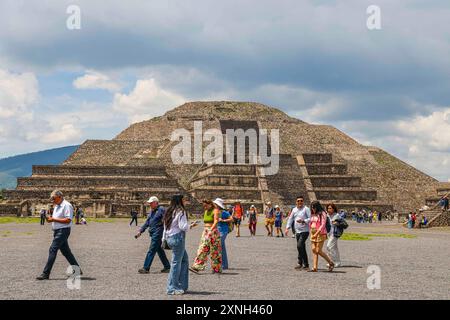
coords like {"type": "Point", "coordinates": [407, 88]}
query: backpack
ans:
{"type": "Point", "coordinates": [328, 225]}
{"type": "Point", "coordinates": [230, 224]}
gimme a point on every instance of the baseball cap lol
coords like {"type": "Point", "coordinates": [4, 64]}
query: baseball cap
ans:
{"type": "Point", "coordinates": [153, 199]}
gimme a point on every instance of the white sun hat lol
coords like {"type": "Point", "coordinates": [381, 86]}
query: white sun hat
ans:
{"type": "Point", "coordinates": [219, 202]}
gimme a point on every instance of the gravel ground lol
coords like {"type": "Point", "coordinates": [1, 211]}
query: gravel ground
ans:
{"type": "Point", "coordinates": [260, 267]}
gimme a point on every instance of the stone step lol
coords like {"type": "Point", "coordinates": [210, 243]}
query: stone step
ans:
{"type": "Point", "coordinates": [222, 180]}
{"type": "Point", "coordinates": [97, 182]}
{"type": "Point", "coordinates": [315, 158]}
{"type": "Point", "coordinates": [346, 193]}
{"type": "Point", "coordinates": [431, 214]}
{"type": "Point", "coordinates": [138, 193]}
{"type": "Point", "coordinates": [326, 168]}
{"type": "Point", "coordinates": [443, 191]}
{"type": "Point", "coordinates": [334, 181]}
{"type": "Point", "coordinates": [226, 192]}
{"type": "Point", "coordinates": [228, 169]}
{"type": "Point", "coordinates": [440, 219]}
{"type": "Point", "coordinates": [67, 170]}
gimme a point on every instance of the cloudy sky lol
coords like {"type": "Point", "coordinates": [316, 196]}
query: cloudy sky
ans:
{"type": "Point", "coordinates": [315, 59]}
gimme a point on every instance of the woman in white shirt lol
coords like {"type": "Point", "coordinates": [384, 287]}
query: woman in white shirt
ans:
{"type": "Point", "coordinates": [175, 227]}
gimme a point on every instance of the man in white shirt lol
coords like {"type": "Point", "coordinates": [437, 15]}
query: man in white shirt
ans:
{"type": "Point", "coordinates": [61, 224]}
{"type": "Point", "coordinates": [301, 214]}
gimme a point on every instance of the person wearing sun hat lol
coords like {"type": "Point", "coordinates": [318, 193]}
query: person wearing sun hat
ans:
{"type": "Point", "coordinates": [210, 240]}
{"type": "Point", "coordinates": [155, 227]}
{"type": "Point", "coordinates": [225, 221]}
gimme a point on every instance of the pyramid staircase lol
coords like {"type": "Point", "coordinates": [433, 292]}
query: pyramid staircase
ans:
{"type": "Point", "coordinates": [435, 215]}
{"type": "Point", "coordinates": [329, 181]}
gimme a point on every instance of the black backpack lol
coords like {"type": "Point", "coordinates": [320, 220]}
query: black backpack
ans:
{"type": "Point", "coordinates": [328, 224]}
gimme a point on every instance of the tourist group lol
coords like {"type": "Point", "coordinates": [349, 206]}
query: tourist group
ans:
{"type": "Point", "coordinates": [168, 228]}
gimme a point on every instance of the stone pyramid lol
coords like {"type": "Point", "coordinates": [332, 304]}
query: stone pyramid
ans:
{"type": "Point", "coordinates": [107, 177]}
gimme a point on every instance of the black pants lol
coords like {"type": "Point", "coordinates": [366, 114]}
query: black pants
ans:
{"type": "Point", "coordinates": [60, 242]}
{"type": "Point", "coordinates": [42, 220]}
{"type": "Point", "coordinates": [301, 247]}
{"type": "Point", "coordinates": [133, 219]}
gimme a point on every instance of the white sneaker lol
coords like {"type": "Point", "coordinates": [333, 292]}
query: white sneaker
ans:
{"type": "Point", "coordinates": [176, 293]}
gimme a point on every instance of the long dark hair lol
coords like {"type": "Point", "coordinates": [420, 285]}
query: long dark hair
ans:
{"type": "Point", "coordinates": [176, 203]}
{"type": "Point", "coordinates": [317, 208]}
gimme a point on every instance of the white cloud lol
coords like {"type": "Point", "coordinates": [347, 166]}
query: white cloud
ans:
{"type": "Point", "coordinates": [146, 101]}
{"type": "Point", "coordinates": [20, 124]}
{"type": "Point", "coordinates": [431, 132]}
{"type": "Point", "coordinates": [18, 93]}
{"type": "Point", "coordinates": [96, 80]}
{"type": "Point", "coordinates": [63, 133]}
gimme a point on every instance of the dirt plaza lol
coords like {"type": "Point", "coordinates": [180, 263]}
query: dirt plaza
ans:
{"type": "Point", "coordinates": [414, 264]}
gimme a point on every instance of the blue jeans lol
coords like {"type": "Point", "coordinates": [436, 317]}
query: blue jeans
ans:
{"type": "Point", "coordinates": [179, 269]}
{"type": "Point", "coordinates": [223, 237]}
{"type": "Point", "coordinates": [60, 242]}
{"type": "Point", "coordinates": [155, 247]}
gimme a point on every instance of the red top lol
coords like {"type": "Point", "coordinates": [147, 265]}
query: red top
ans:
{"type": "Point", "coordinates": [238, 211]}
{"type": "Point", "coordinates": [317, 223]}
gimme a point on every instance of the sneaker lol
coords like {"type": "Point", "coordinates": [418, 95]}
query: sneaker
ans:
{"type": "Point", "coordinates": [143, 271]}
{"type": "Point", "coordinates": [175, 292]}
{"type": "Point", "coordinates": [298, 267]}
{"type": "Point", "coordinates": [43, 277]}
{"type": "Point", "coordinates": [306, 268]}
{"type": "Point", "coordinates": [165, 270]}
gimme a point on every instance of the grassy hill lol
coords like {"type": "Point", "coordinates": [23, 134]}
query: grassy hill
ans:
{"type": "Point", "coordinates": [20, 166]}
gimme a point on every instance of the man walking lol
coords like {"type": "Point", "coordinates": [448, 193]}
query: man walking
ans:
{"type": "Point", "coordinates": [61, 224]}
{"type": "Point", "coordinates": [134, 216]}
{"type": "Point", "coordinates": [300, 215]}
{"type": "Point", "coordinates": [42, 214]}
{"type": "Point", "coordinates": [155, 228]}
{"type": "Point", "coordinates": [238, 216]}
